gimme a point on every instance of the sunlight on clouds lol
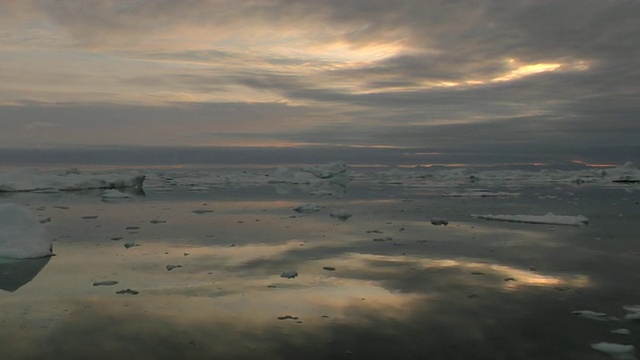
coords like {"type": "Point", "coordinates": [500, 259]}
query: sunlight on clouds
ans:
{"type": "Point", "coordinates": [520, 71]}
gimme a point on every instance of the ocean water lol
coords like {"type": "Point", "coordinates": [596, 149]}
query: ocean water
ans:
{"type": "Point", "coordinates": [189, 266]}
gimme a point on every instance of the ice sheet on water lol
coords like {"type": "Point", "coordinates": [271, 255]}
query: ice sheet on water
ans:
{"type": "Point", "coordinates": [71, 180]}
{"type": "Point", "coordinates": [549, 218]}
{"type": "Point", "coordinates": [616, 351]}
{"type": "Point", "coordinates": [21, 234]}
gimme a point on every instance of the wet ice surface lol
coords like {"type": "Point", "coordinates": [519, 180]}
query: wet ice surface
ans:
{"type": "Point", "coordinates": [385, 284]}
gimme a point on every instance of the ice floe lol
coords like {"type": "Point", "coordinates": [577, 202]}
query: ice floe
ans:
{"type": "Point", "coordinates": [289, 274]}
{"type": "Point", "coordinates": [616, 351]}
{"type": "Point", "coordinates": [114, 195]}
{"type": "Point", "coordinates": [549, 218]}
{"type": "Point", "coordinates": [475, 194]}
{"type": "Point", "coordinates": [588, 314]}
{"type": "Point", "coordinates": [341, 215]}
{"type": "Point", "coordinates": [439, 221]}
{"type": "Point", "coordinates": [21, 234]}
{"type": "Point", "coordinates": [307, 208]}
{"type": "Point", "coordinates": [71, 180]}
{"type": "Point", "coordinates": [633, 312]}
{"type": "Point", "coordinates": [621, 331]}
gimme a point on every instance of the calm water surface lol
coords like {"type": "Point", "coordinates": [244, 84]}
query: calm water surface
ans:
{"type": "Point", "coordinates": [385, 284]}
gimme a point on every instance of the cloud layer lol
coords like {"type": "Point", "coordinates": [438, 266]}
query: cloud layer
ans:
{"type": "Point", "coordinates": [365, 72]}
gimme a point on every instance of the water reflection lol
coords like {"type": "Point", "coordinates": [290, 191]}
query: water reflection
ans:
{"type": "Point", "coordinates": [16, 273]}
{"type": "Point", "coordinates": [471, 290]}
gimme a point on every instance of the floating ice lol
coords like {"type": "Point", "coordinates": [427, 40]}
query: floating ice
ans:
{"type": "Point", "coordinates": [307, 208]}
{"type": "Point", "coordinates": [588, 314]}
{"type": "Point", "coordinates": [474, 194]}
{"type": "Point", "coordinates": [621, 331]}
{"type": "Point", "coordinates": [289, 274]}
{"type": "Point", "coordinates": [616, 351]}
{"type": "Point", "coordinates": [634, 312]}
{"type": "Point", "coordinates": [114, 195]}
{"type": "Point", "coordinates": [21, 234]}
{"type": "Point", "coordinates": [439, 221]}
{"type": "Point", "coordinates": [341, 215]}
{"type": "Point", "coordinates": [105, 283]}
{"type": "Point", "coordinates": [327, 171]}
{"type": "Point", "coordinates": [31, 181]}
{"type": "Point", "coordinates": [549, 218]}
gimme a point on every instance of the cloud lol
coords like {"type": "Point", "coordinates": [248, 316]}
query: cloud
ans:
{"type": "Point", "coordinates": [349, 70]}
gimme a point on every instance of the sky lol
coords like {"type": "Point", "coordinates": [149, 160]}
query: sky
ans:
{"type": "Point", "coordinates": [475, 75]}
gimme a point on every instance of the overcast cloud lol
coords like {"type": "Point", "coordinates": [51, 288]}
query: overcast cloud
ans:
{"type": "Point", "coordinates": [479, 74]}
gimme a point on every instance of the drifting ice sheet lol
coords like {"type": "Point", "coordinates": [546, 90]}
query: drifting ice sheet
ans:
{"type": "Point", "coordinates": [616, 351]}
{"type": "Point", "coordinates": [549, 218]}
{"type": "Point", "coordinates": [21, 234]}
{"type": "Point", "coordinates": [72, 180]}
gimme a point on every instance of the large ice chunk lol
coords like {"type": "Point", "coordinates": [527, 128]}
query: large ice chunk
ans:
{"type": "Point", "coordinates": [21, 234]}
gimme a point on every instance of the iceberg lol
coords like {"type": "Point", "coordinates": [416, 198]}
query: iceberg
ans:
{"type": "Point", "coordinates": [21, 234]}
{"type": "Point", "coordinates": [549, 218]}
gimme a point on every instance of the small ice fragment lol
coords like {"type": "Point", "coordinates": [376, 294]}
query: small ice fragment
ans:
{"type": "Point", "coordinates": [621, 331]}
{"type": "Point", "coordinates": [128, 291]}
{"type": "Point", "coordinates": [289, 274]}
{"type": "Point", "coordinates": [439, 221]}
{"type": "Point", "coordinates": [588, 314]}
{"type": "Point", "coordinates": [307, 208]}
{"type": "Point", "coordinates": [549, 218]}
{"type": "Point", "coordinates": [341, 215]}
{"type": "Point", "coordinates": [105, 283]}
{"type": "Point", "coordinates": [616, 351]}
{"type": "Point", "coordinates": [130, 244]}
{"type": "Point", "coordinates": [632, 308]}
{"type": "Point", "coordinates": [202, 211]}
{"type": "Point", "coordinates": [632, 316]}
{"type": "Point", "coordinates": [171, 267]}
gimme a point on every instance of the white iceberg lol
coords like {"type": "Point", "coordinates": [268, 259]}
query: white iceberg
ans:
{"type": "Point", "coordinates": [549, 218]}
{"type": "Point", "coordinates": [21, 234]}
{"type": "Point", "coordinates": [616, 351]}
